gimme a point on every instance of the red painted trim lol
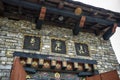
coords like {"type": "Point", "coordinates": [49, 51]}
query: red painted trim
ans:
{"type": "Point", "coordinates": [114, 28]}
{"type": "Point", "coordinates": [82, 21]}
{"type": "Point", "coordinates": [42, 13]}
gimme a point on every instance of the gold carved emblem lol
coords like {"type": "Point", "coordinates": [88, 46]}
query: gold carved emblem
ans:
{"type": "Point", "coordinates": [81, 50]}
{"type": "Point", "coordinates": [69, 67]}
{"type": "Point", "coordinates": [23, 62]}
{"type": "Point", "coordinates": [58, 44]}
{"type": "Point", "coordinates": [34, 64]}
{"type": "Point", "coordinates": [46, 65]}
{"type": "Point", "coordinates": [58, 66]}
{"type": "Point", "coordinates": [57, 75]}
{"type": "Point", "coordinates": [32, 41]}
{"type": "Point", "coordinates": [78, 11]}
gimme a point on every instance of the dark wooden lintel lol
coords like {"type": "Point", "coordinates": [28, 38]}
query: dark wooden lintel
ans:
{"type": "Point", "coordinates": [57, 11]}
{"type": "Point", "coordinates": [31, 55]}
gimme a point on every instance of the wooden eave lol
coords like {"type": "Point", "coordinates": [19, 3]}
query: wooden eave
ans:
{"type": "Point", "coordinates": [97, 19]}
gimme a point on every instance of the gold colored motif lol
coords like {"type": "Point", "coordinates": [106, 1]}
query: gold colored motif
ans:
{"type": "Point", "coordinates": [78, 11]}
{"type": "Point", "coordinates": [34, 64]}
{"type": "Point", "coordinates": [23, 62]}
{"type": "Point", "coordinates": [58, 44]}
{"type": "Point", "coordinates": [29, 60]}
{"type": "Point", "coordinates": [58, 66]}
{"type": "Point", "coordinates": [32, 41]}
{"type": "Point", "coordinates": [57, 75]}
{"type": "Point", "coordinates": [46, 65]}
{"type": "Point", "coordinates": [81, 51]}
{"type": "Point", "coordinates": [69, 67]}
{"type": "Point", "coordinates": [28, 77]}
{"type": "Point", "coordinates": [80, 67]}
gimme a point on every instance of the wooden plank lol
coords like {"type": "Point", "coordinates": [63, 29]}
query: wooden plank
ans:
{"type": "Point", "coordinates": [85, 74]}
{"type": "Point", "coordinates": [57, 11]}
{"type": "Point", "coordinates": [41, 56]}
{"type": "Point", "coordinates": [111, 75]}
{"type": "Point", "coordinates": [96, 77]}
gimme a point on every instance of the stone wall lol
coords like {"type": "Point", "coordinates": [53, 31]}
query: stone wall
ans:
{"type": "Point", "coordinates": [12, 36]}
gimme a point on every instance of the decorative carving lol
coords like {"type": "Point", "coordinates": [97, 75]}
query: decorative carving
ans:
{"type": "Point", "coordinates": [81, 49]}
{"type": "Point", "coordinates": [78, 11]}
{"type": "Point", "coordinates": [53, 63]}
{"type": "Point", "coordinates": [58, 66]}
{"type": "Point", "coordinates": [82, 21]}
{"type": "Point", "coordinates": [75, 65]}
{"type": "Point", "coordinates": [31, 43]}
{"type": "Point", "coordinates": [114, 27]}
{"type": "Point", "coordinates": [57, 75]}
{"type": "Point", "coordinates": [9, 54]}
{"type": "Point", "coordinates": [29, 61]}
{"type": "Point", "coordinates": [23, 62]}
{"type": "Point", "coordinates": [69, 67]}
{"type": "Point", "coordinates": [34, 63]}
{"type": "Point", "coordinates": [46, 65]}
{"type": "Point", "coordinates": [41, 61]}
{"type": "Point", "coordinates": [80, 67]}
{"type": "Point", "coordinates": [58, 46]}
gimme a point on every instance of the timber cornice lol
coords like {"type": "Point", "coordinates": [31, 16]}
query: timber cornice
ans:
{"type": "Point", "coordinates": [97, 20]}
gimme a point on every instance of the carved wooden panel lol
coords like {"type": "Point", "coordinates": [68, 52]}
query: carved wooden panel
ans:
{"type": "Point", "coordinates": [58, 46]}
{"type": "Point", "coordinates": [31, 43]}
{"type": "Point", "coordinates": [81, 49]}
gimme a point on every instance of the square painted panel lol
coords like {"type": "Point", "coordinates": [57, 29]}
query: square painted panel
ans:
{"type": "Point", "coordinates": [58, 46]}
{"type": "Point", "coordinates": [81, 49]}
{"type": "Point", "coordinates": [32, 43]}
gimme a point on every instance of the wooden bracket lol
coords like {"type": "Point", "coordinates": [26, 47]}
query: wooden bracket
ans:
{"type": "Point", "coordinates": [1, 8]}
{"type": "Point", "coordinates": [114, 27]}
{"type": "Point", "coordinates": [61, 5]}
{"type": "Point", "coordinates": [82, 21]}
{"type": "Point", "coordinates": [42, 13]}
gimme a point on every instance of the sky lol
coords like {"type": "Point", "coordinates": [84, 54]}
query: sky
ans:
{"type": "Point", "coordinates": [113, 5]}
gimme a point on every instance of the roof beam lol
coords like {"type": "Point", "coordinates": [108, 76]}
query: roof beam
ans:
{"type": "Point", "coordinates": [57, 11]}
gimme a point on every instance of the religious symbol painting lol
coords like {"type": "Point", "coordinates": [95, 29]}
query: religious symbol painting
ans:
{"type": "Point", "coordinates": [32, 43]}
{"type": "Point", "coordinates": [58, 46]}
{"type": "Point", "coordinates": [81, 49]}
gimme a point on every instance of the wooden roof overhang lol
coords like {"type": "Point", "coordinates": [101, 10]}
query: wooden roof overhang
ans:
{"type": "Point", "coordinates": [64, 13]}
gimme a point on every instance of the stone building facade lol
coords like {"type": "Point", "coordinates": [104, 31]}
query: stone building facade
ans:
{"type": "Point", "coordinates": [12, 37]}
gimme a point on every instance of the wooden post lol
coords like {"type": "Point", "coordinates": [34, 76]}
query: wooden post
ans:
{"type": "Point", "coordinates": [53, 64]}
{"type": "Point", "coordinates": [75, 65]}
{"type": "Point", "coordinates": [64, 65]}
{"type": "Point", "coordinates": [29, 62]}
{"type": "Point", "coordinates": [41, 62]}
{"type": "Point", "coordinates": [110, 32]}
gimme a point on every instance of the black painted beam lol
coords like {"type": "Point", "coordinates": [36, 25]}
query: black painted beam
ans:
{"type": "Point", "coordinates": [49, 57]}
{"type": "Point", "coordinates": [76, 30]}
{"type": "Point", "coordinates": [57, 11]}
{"type": "Point", "coordinates": [108, 33]}
{"type": "Point", "coordinates": [83, 74]}
{"type": "Point", "coordinates": [39, 24]}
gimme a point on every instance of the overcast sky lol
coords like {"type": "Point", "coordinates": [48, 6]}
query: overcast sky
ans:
{"type": "Point", "coordinates": [113, 5]}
